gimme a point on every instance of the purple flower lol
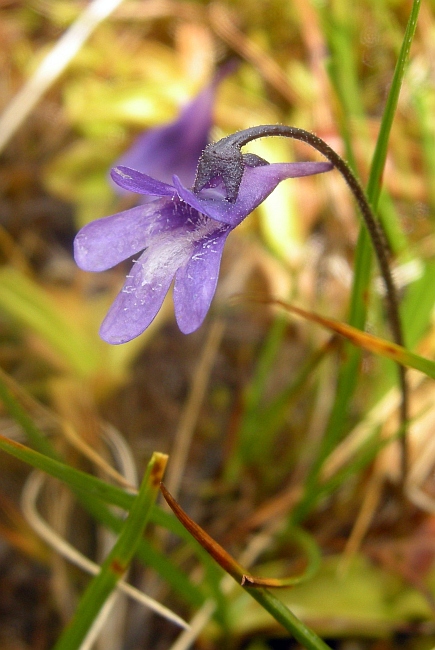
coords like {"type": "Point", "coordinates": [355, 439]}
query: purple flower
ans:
{"type": "Point", "coordinates": [179, 235]}
{"type": "Point", "coordinates": [176, 147]}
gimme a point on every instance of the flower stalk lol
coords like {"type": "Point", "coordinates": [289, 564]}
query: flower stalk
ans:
{"type": "Point", "coordinates": [224, 159]}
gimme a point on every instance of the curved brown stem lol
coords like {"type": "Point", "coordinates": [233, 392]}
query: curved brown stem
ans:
{"type": "Point", "coordinates": [224, 158]}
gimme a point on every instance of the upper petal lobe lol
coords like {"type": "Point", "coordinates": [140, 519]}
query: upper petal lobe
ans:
{"type": "Point", "coordinates": [257, 183]}
{"type": "Point", "coordinates": [134, 181]}
{"type": "Point", "coordinates": [175, 148]}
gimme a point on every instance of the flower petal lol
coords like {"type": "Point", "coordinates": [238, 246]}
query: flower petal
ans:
{"type": "Point", "coordinates": [135, 307]}
{"type": "Point", "coordinates": [175, 148]}
{"type": "Point", "coordinates": [146, 287]}
{"type": "Point", "coordinates": [257, 183]}
{"type": "Point", "coordinates": [104, 243]}
{"type": "Point", "coordinates": [135, 181]}
{"type": "Point", "coordinates": [195, 283]}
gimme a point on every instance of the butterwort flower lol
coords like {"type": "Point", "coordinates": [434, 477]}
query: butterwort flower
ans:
{"type": "Point", "coordinates": [179, 235]}
{"type": "Point", "coordinates": [175, 148]}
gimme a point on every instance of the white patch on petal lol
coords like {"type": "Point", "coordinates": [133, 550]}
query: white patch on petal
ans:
{"type": "Point", "coordinates": [171, 250]}
{"type": "Point", "coordinates": [120, 173]}
{"type": "Point", "coordinates": [165, 256]}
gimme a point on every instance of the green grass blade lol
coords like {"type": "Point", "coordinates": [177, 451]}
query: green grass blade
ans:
{"type": "Point", "coordinates": [118, 560]}
{"type": "Point", "coordinates": [366, 341]}
{"type": "Point", "coordinates": [347, 379]}
{"type": "Point", "coordinates": [281, 613]}
{"type": "Point", "coordinates": [260, 426]}
{"type": "Point", "coordinates": [166, 569]}
{"type": "Point", "coordinates": [76, 479]}
{"type": "Point", "coordinates": [33, 433]}
{"type": "Point", "coordinates": [92, 488]}
{"type": "Point", "coordinates": [253, 397]}
{"type": "Point", "coordinates": [378, 163]}
{"type": "Point", "coordinates": [93, 494]}
{"type": "Point", "coordinates": [26, 302]}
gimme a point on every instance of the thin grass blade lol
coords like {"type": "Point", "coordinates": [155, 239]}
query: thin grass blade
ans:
{"type": "Point", "coordinates": [118, 560]}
